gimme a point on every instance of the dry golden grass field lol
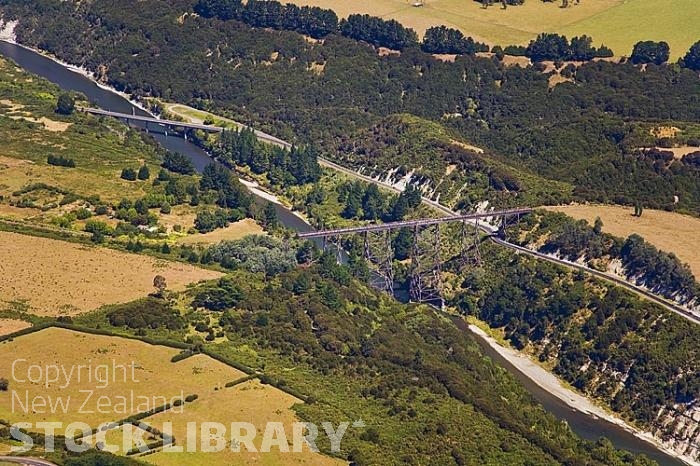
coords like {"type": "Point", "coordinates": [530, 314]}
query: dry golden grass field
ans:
{"type": "Point", "coordinates": [668, 231]}
{"type": "Point", "coordinates": [153, 374]}
{"type": "Point", "coordinates": [61, 278]}
{"type": "Point", "coordinates": [234, 231]}
{"type": "Point", "coordinates": [8, 326]}
{"type": "Point", "coordinates": [247, 402]}
{"type": "Point", "coordinates": [617, 23]}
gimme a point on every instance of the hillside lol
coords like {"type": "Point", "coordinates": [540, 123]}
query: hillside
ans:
{"type": "Point", "coordinates": [619, 24]}
{"type": "Point", "coordinates": [353, 353]}
{"type": "Point", "coordinates": [637, 359]}
{"type": "Point", "coordinates": [586, 132]}
{"type": "Point", "coordinates": [466, 130]}
{"type": "Point", "coordinates": [407, 150]}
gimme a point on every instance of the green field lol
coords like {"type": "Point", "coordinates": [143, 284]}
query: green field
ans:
{"type": "Point", "coordinates": [617, 23]}
{"type": "Point", "coordinates": [31, 131]}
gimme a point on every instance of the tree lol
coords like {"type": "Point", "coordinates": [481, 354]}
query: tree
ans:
{"type": "Point", "coordinates": [648, 51]}
{"type": "Point", "coordinates": [128, 174]}
{"type": "Point", "coordinates": [160, 284]}
{"type": "Point", "coordinates": [222, 9]}
{"type": "Point", "coordinates": [548, 46]}
{"type": "Point", "coordinates": [381, 33]}
{"type": "Point", "coordinates": [692, 58]}
{"type": "Point", "coordinates": [144, 173]}
{"type": "Point", "coordinates": [270, 216]}
{"type": "Point", "coordinates": [306, 252]}
{"type": "Point", "coordinates": [497, 51]}
{"type": "Point", "coordinates": [165, 208]}
{"type": "Point", "coordinates": [402, 244]}
{"type": "Point", "coordinates": [372, 203]}
{"type": "Point", "coordinates": [440, 39]}
{"type": "Point", "coordinates": [65, 104]}
{"type": "Point", "coordinates": [178, 163]}
{"type": "Point", "coordinates": [598, 226]}
{"type": "Point", "coordinates": [353, 200]}
{"type": "Point", "coordinates": [4, 384]}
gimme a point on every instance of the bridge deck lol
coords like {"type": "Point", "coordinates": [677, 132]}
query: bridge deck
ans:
{"type": "Point", "coordinates": [127, 116]}
{"type": "Point", "coordinates": [413, 223]}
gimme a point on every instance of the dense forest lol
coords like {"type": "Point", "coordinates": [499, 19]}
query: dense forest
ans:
{"type": "Point", "coordinates": [284, 167]}
{"type": "Point", "coordinates": [585, 131]}
{"type": "Point", "coordinates": [606, 342]}
{"type": "Point", "coordinates": [360, 354]}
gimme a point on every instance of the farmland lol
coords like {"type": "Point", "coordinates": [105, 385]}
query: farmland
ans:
{"type": "Point", "coordinates": [617, 23]}
{"type": "Point", "coordinates": [59, 278]}
{"type": "Point", "coordinates": [668, 231]}
{"type": "Point", "coordinates": [31, 131]}
{"type": "Point", "coordinates": [247, 402]}
{"type": "Point", "coordinates": [8, 326]}
{"type": "Point", "coordinates": [36, 192]}
{"type": "Point", "coordinates": [150, 374]}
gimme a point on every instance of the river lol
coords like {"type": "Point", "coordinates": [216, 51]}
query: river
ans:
{"type": "Point", "coordinates": [586, 426]}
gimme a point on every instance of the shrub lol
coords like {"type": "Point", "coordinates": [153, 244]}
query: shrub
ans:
{"type": "Point", "coordinates": [514, 50]}
{"type": "Point", "coordinates": [95, 226]}
{"type": "Point", "coordinates": [60, 161]}
{"type": "Point", "coordinates": [128, 174]}
{"type": "Point", "coordinates": [65, 104]}
{"type": "Point", "coordinates": [68, 199]}
{"type": "Point", "coordinates": [178, 163]}
{"type": "Point", "coordinates": [83, 213]}
{"type": "Point", "coordinates": [648, 51]}
{"type": "Point", "coordinates": [101, 210]}
{"type": "Point", "coordinates": [144, 173]}
{"type": "Point", "coordinates": [146, 313]}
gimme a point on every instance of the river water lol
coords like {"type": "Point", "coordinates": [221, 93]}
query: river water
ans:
{"type": "Point", "coordinates": [586, 426]}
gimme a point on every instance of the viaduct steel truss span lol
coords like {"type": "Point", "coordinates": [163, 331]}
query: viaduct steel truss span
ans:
{"type": "Point", "coordinates": [427, 254]}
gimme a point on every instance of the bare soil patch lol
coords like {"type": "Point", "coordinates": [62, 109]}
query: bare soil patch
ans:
{"type": "Point", "coordinates": [556, 79]}
{"type": "Point", "coordinates": [446, 57]}
{"type": "Point", "coordinates": [680, 152]}
{"type": "Point", "coordinates": [11, 162]}
{"type": "Point", "coordinates": [665, 131]}
{"type": "Point", "coordinates": [183, 215]}
{"type": "Point", "coordinates": [668, 231]}
{"type": "Point", "coordinates": [464, 145]}
{"type": "Point", "coordinates": [61, 278]}
{"type": "Point", "coordinates": [232, 232]}
{"type": "Point", "coordinates": [385, 52]}
{"type": "Point", "coordinates": [522, 62]}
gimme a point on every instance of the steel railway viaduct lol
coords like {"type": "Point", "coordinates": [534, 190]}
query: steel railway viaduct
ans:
{"type": "Point", "coordinates": [425, 281]}
{"type": "Point", "coordinates": [427, 254]}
